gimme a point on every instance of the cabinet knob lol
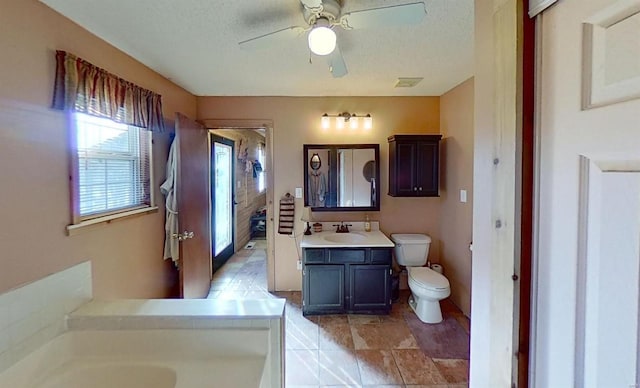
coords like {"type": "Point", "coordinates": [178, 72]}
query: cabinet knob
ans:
{"type": "Point", "coordinates": [415, 189]}
{"type": "Point", "coordinates": [420, 188]}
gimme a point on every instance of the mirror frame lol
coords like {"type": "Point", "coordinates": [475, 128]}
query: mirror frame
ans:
{"type": "Point", "coordinates": [307, 148]}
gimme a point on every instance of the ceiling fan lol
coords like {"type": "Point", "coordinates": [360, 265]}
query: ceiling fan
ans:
{"type": "Point", "coordinates": [322, 16]}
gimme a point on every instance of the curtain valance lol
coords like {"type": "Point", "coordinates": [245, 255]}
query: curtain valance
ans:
{"type": "Point", "coordinates": [82, 87]}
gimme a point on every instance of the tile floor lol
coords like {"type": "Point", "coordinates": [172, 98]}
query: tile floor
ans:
{"type": "Point", "coordinates": [344, 350]}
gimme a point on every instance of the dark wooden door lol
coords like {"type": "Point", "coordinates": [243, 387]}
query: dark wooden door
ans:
{"type": "Point", "coordinates": [193, 204]}
{"type": "Point", "coordinates": [404, 157]}
{"type": "Point", "coordinates": [369, 287]}
{"type": "Point", "coordinates": [323, 288]}
{"type": "Point", "coordinates": [427, 170]}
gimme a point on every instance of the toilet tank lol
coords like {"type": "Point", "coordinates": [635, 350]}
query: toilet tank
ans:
{"type": "Point", "coordinates": [411, 249]}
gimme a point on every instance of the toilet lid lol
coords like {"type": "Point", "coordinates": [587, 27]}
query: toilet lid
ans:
{"type": "Point", "coordinates": [428, 278]}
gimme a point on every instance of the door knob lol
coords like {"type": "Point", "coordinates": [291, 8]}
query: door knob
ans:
{"type": "Point", "coordinates": [183, 236]}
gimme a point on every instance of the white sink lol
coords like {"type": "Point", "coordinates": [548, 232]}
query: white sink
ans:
{"type": "Point", "coordinates": [345, 238]}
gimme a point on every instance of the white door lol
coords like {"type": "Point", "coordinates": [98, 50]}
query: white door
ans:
{"type": "Point", "coordinates": [587, 273]}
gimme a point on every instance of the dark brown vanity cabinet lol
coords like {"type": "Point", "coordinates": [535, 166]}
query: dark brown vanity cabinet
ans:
{"type": "Point", "coordinates": [414, 165]}
{"type": "Point", "coordinates": [346, 280]}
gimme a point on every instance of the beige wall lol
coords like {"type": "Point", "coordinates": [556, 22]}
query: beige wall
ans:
{"type": "Point", "coordinates": [126, 254]}
{"type": "Point", "coordinates": [296, 121]}
{"type": "Point", "coordinates": [456, 126]}
{"type": "Point", "coordinates": [247, 196]}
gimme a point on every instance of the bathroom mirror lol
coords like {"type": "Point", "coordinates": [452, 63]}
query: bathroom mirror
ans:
{"type": "Point", "coordinates": [342, 177]}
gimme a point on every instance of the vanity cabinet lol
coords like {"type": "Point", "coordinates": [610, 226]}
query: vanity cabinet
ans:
{"type": "Point", "coordinates": [346, 280]}
{"type": "Point", "coordinates": [414, 165]}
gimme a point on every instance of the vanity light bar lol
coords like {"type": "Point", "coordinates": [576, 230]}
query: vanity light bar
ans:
{"type": "Point", "coordinates": [343, 118]}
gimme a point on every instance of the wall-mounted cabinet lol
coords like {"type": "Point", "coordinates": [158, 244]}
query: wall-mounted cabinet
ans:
{"type": "Point", "coordinates": [414, 165]}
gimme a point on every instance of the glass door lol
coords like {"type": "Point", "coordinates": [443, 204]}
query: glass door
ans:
{"type": "Point", "coordinates": [222, 200]}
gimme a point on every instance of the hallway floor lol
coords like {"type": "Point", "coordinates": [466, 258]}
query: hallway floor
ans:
{"type": "Point", "coordinates": [395, 350]}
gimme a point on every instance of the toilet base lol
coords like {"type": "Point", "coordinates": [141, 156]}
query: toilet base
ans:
{"type": "Point", "coordinates": [428, 311]}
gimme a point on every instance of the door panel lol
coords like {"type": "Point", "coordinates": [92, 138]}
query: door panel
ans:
{"type": "Point", "coordinates": [222, 200]}
{"type": "Point", "coordinates": [193, 203]}
{"type": "Point", "coordinates": [608, 278]}
{"type": "Point", "coordinates": [366, 292]}
{"type": "Point", "coordinates": [323, 287]}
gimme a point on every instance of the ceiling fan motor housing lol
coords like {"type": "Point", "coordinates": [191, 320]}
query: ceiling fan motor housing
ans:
{"type": "Point", "coordinates": [330, 10]}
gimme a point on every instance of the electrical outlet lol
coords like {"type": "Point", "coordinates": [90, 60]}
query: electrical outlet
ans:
{"type": "Point", "coordinates": [463, 196]}
{"type": "Point", "coordinates": [299, 265]}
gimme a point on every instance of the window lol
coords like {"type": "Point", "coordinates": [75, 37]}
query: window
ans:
{"type": "Point", "coordinates": [261, 175]}
{"type": "Point", "coordinates": [112, 168]}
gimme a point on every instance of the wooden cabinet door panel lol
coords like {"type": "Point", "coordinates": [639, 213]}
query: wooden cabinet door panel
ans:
{"type": "Point", "coordinates": [427, 174]}
{"type": "Point", "coordinates": [323, 288]}
{"type": "Point", "coordinates": [369, 287]}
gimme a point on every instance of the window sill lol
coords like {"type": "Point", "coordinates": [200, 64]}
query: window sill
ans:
{"type": "Point", "coordinates": [99, 221]}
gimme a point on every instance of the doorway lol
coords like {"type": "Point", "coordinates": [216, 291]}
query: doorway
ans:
{"type": "Point", "coordinates": [222, 200]}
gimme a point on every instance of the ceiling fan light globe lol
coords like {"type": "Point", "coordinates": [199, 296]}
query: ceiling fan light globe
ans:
{"type": "Point", "coordinates": [322, 40]}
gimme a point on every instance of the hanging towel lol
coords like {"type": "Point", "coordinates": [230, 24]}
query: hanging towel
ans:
{"type": "Point", "coordinates": [171, 249]}
{"type": "Point", "coordinates": [287, 214]}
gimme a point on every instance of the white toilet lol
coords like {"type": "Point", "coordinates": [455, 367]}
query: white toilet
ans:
{"type": "Point", "coordinates": [427, 286]}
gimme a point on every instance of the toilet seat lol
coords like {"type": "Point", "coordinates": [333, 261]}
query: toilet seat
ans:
{"type": "Point", "coordinates": [428, 279]}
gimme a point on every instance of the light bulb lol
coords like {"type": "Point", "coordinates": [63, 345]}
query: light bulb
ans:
{"type": "Point", "coordinates": [368, 122]}
{"type": "Point", "coordinates": [325, 121]}
{"type": "Point", "coordinates": [340, 122]}
{"type": "Point", "coordinates": [322, 39]}
{"type": "Point", "coordinates": [353, 122]}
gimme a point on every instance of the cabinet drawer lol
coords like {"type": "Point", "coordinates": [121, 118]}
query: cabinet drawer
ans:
{"type": "Point", "coordinates": [339, 256]}
{"type": "Point", "coordinates": [381, 256]}
{"type": "Point", "coordinates": [312, 255]}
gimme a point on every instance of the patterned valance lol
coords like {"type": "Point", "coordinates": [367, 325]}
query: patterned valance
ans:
{"type": "Point", "coordinates": [82, 87]}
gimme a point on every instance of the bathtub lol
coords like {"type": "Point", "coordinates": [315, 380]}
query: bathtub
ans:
{"type": "Point", "coordinates": [163, 358]}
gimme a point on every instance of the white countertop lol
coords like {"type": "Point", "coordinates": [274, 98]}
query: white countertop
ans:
{"type": "Point", "coordinates": [210, 308]}
{"type": "Point", "coordinates": [362, 239]}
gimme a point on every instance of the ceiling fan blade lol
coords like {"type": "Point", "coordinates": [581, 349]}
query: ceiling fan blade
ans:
{"type": "Point", "coordinates": [272, 39]}
{"type": "Point", "coordinates": [394, 15]}
{"type": "Point", "coordinates": [337, 66]}
{"type": "Point", "coordinates": [311, 4]}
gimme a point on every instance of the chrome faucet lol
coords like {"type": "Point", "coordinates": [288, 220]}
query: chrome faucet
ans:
{"type": "Point", "coordinates": [342, 227]}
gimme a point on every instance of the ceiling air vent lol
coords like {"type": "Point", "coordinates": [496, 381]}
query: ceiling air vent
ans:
{"type": "Point", "coordinates": [408, 82]}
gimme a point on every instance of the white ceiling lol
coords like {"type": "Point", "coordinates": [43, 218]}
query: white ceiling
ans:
{"type": "Point", "coordinates": [194, 43]}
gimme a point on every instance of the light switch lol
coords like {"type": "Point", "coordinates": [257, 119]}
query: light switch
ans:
{"type": "Point", "coordinates": [463, 196]}
{"type": "Point", "coordinates": [239, 183]}
{"type": "Point", "coordinates": [298, 192]}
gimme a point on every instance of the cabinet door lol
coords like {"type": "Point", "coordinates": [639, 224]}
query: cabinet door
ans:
{"type": "Point", "coordinates": [405, 177]}
{"type": "Point", "coordinates": [369, 287]}
{"type": "Point", "coordinates": [427, 174]}
{"type": "Point", "coordinates": [323, 288]}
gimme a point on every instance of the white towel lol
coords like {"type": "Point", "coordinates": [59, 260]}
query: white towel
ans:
{"type": "Point", "coordinates": [171, 247]}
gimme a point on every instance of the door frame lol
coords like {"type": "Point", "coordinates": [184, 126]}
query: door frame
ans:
{"type": "Point", "coordinates": [267, 125]}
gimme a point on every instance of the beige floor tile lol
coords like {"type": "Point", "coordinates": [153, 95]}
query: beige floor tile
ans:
{"type": "Point", "coordinates": [378, 367]}
{"type": "Point", "coordinates": [301, 333]}
{"type": "Point", "coordinates": [301, 367]}
{"type": "Point", "coordinates": [338, 367]}
{"type": "Point", "coordinates": [454, 371]}
{"type": "Point", "coordinates": [416, 368]}
{"type": "Point", "coordinates": [355, 319]}
{"type": "Point", "coordinates": [336, 337]}
{"type": "Point", "coordinates": [324, 320]}
{"type": "Point", "coordinates": [383, 336]}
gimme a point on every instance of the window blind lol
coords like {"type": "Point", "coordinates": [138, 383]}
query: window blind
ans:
{"type": "Point", "coordinates": [113, 166]}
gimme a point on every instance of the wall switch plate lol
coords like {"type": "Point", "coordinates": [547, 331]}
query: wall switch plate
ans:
{"type": "Point", "coordinates": [239, 184]}
{"type": "Point", "coordinates": [463, 196]}
{"type": "Point", "coordinates": [298, 192]}
{"type": "Point", "coordinates": [299, 265]}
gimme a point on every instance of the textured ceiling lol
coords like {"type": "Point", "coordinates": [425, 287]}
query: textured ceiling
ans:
{"type": "Point", "coordinates": [194, 43]}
